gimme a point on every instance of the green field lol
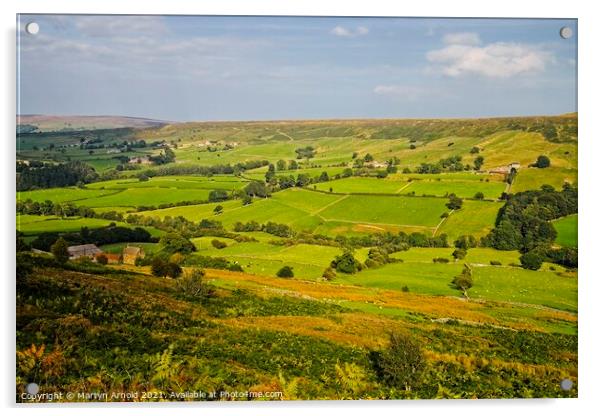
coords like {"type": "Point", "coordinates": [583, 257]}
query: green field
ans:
{"type": "Point", "coordinates": [32, 225]}
{"type": "Point", "coordinates": [464, 189]}
{"type": "Point", "coordinates": [496, 283]}
{"type": "Point", "coordinates": [567, 231]}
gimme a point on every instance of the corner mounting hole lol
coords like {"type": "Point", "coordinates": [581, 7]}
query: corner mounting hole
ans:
{"type": "Point", "coordinates": [566, 32]}
{"type": "Point", "coordinates": [32, 28]}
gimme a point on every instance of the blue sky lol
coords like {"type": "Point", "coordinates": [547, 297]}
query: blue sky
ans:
{"type": "Point", "coordinates": [250, 68]}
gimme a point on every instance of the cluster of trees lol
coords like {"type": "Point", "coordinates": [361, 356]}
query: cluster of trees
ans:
{"type": "Point", "coordinates": [450, 164]}
{"type": "Point", "coordinates": [180, 169]}
{"type": "Point", "coordinates": [346, 263]}
{"type": "Point", "coordinates": [282, 165]}
{"type": "Point", "coordinates": [99, 236]}
{"type": "Point", "coordinates": [66, 209]}
{"type": "Point", "coordinates": [47, 175]}
{"type": "Point", "coordinates": [165, 156]}
{"type": "Point", "coordinates": [306, 152]}
{"type": "Point", "coordinates": [279, 230]}
{"type": "Point", "coordinates": [378, 256]}
{"type": "Point", "coordinates": [523, 223]}
{"type": "Point", "coordinates": [212, 263]}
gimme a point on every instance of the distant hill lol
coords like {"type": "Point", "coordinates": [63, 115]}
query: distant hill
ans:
{"type": "Point", "coordinates": [38, 122]}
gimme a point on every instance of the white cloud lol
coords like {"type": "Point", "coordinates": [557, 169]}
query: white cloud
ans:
{"type": "Point", "coordinates": [463, 38]}
{"type": "Point", "coordinates": [495, 60]}
{"type": "Point", "coordinates": [350, 33]}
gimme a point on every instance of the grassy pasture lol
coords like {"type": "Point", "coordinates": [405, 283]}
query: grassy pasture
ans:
{"type": "Point", "coordinates": [475, 217]}
{"type": "Point", "coordinates": [63, 194]}
{"type": "Point", "coordinates": [362, 185]}
{"type": "Point", "coordinates": [414, 211]}
{"type": "Point", "coordinates": [463, 189]}
{"type": "Point", "coordinates": [262, 258]}
{"type": "Point", "coordinates": [34, 224]}
{"type": "Point", "coordinates": [174, 182]}
{"type": "Point", "coordinates": [348, 214]}
{"type": "Point", "coordinates": [129, 193]}
{"type": "Point", "coordinates": [504, 284]}
{"type": "Point", "coordinates": [117, 248]}
{"type": "Point", "coordinates": [134, 197]}
{"type": "Point", "coordinates": [534, 178]}
{"type": "Point", "coordinates": [567, 230]}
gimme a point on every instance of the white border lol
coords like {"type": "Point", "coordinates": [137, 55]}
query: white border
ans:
{"type": "Point", "coordinates": [590, 152]}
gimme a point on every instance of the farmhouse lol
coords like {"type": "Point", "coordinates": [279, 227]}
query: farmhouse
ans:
{"type": "Point", "coordinates": [504, 170]}
{"type": "Point", "coordinates": [144, 160]}
{"type": "Point", "coordinates": [377, 165]}
{"type": "Point", "coordinates": [84, 250]}
{"type": "Point", "coordinates": [131, 253]}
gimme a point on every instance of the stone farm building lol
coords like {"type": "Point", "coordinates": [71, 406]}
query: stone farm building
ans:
{"type": "Point", "coordinates": [84, 250]}
{"type": "Point", "coordinates": [131, 253]}
{"type": "Point", "coordinates": [113, 258]}
{"type": "Point", "coordinates": [504, 170]}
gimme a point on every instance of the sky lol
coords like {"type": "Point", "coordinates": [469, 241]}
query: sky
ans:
{"type": "Point", "coordinates": [196, 68]}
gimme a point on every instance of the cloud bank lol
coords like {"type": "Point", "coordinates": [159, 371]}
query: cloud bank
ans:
{"type": "Point", "coordinates": [464, 55]}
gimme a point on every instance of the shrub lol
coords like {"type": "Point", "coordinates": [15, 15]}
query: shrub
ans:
{"type": "Point", "coordinates": [346, 263]}
{"type": "Point", "coordinates": [218, 244]}
{"type": "Point", "coordinates": [405, 289]}
{"type": "Point", "coordinates": [542, 162]}
{"type": "Point", "coordinates": [158, 267]}
{"type": "Point", "coordinates": [454, 202]}
{"type": "Point", "coordinates": [59, 251]}
{"type": "Point", "coordinates": [192, 284]}
{"type": "Point", "coordinates": [402, 363]}
{"type": "Point", "coordinates": [479, 195]}
{"type": "Point", "coordinates": [329, 274]}
{"type": "Point", "coordinates": [532, 260]}
{"type": "Point", "coordinates": [440, 260]}
{"type": "Point", "coordinates": [173, 270]}
{"type": "Point", "coordinates": [463, 281]}
{"type": "Point", "coordinates": [102, 259]}
{"type": "Point", "coordinates": [285, 271]}
{"type": "Point", "coordinates": [495, 263]}
{"type": "Point", "coordinates": [459, 253]}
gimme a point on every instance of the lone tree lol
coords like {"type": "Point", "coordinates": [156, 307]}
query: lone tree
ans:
{"type": "Point", "coordinates": [454, 202]}
{"type": "Point", "coordinates": [459, 253]}
{"type": "Point", "coordinates": [478, 162]}
{"type": "Point", "coordinates": [479, 195]}
{"type": "Point", "coordinates": [402, 363]}
{"type": "Point", "coordinates": [158, 267]}
{"type": "Point", "coordinates": [532, 260]}
{"type": "Point", "coordinates": [218, 210]}
{"type": "Point", "coordinates": [463, 281]}
{"type": "Point", "coordinates": [286, 271]}
{"type": "Point", "coordinates": [59, 250]}
{"type": "Point", "coordinates": [542, 162]}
